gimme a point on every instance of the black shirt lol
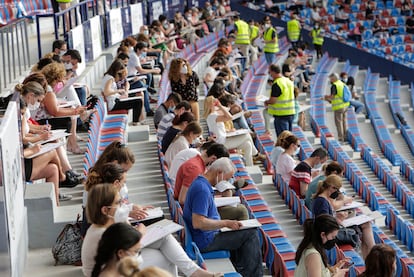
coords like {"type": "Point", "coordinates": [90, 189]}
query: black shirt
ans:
{"type": "Point", "coordinates": [276, 91]}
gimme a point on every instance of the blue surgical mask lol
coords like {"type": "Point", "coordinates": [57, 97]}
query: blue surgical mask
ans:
{"type": "Point", "coordinates": [317, 166]}
{"type": "Point", "coordinates": [297, 151]}
{"type": "Point", "coordinates": [171, 109]}
{"type": "Point", "coordinates": [143, 54]}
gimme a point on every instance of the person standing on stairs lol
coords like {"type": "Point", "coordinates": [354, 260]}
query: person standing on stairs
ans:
{"type": "Point", "coordinates": [339, 106]}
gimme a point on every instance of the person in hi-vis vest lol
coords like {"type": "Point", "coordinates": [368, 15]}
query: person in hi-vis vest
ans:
{"type": "Point", "coordinates": [281, 104]}
{"type": "Point", "coordinates": [271, 42]}
{"type": "Point", "coordinates": [293, 30]}
{"type": "Point", "coordinates": [242, 32]}
{"type": "Point", "coordinates": [317, 39]}
{"type": "Point", "coordinates": [339, 107]}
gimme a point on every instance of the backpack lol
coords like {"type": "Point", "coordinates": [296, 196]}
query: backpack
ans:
{"type": "Point", "coordinates": [67, 249]}
{"type": "Point", "coordinates": [346, 94]}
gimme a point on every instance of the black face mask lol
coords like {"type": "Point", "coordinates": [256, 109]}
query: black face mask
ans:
{"type": "Point", "coordinates": [329, 244]}
{"type": "Point", "coordinates": [334, 194]}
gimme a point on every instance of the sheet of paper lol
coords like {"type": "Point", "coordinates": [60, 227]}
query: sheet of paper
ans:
{"type": "Point", "coordinates": [159, 230]}
{"type": "Point", "coordinates": [246, 224]}
{"type": "Point", "coordinates": [129, 98]}
{"type": "Point", "coordinates": [237, 133]}
{"type": "Point", "coordinates": [226, 201]}
{"type": "Point", "coordinates": [357, 220]}
{"type": "Point", "coordinates": [260, 99]}
{"type": "Point", "coordinates": [222, 186]}
{"type": "Point", "coordinates": [237, 115]}
{"type": "Point", "coordinates": [66, 104]}
{"type": "Point", "coordinates": [152, 213]}
{"type": "Point", "coordinates": [46, 148]}
{"type": "Point", "coordinates": [352, 205]}
{"type": "Point", "coordinates": [54, 136]}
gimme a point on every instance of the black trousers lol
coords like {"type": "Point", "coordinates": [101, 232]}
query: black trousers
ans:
{"type": "Point", "coordinates": [134, 104]}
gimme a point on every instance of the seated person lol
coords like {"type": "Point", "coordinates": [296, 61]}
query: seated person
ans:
{"type": "Point", "coordinates": [378, 30]}
{"type": "Point", "coordinates": [356, 33]}
{"type": "Point", "coordinates": [118, 99]}
{"type": "Point", "coordinates": [178, 125]}
{"type": "Point", "coordinates": [409, 24]}
{"type": "Point", "coordinates": [302, 174]}
{"type": "Point", "coordinates": [212, 70]}
{"type": "Point", "coordinates": [203, 221]}
{"type": "Point", "coordinates": [278, 149]}
{"type": "Point", "coordinates": [341, 16]}
{"type": "Point", "coordinates": [183, 141]}
{"type": "Point", "coordinates": [166, 121]}
{"type": "Point", "coordinates": [166, 107]}
{"type": "Point", "coordinates": [285, 164]}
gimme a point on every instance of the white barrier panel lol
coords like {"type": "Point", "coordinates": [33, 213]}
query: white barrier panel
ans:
{"type": "Point", "coordinates": [116, 33]}
{"type": "Point", "coordinates": [77, 41]}
{"type": "Point", "coordinates": [157, 9]}
{"type": "Point", "coordinates": [136, 17]}
{"type": "Point", "coordinates": [13, 184]}
{"type": "Point", "coordinates": [93, 38]}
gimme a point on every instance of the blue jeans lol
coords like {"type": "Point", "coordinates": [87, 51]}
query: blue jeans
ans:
{"type": "Point", "coordinates": [358, 106]}
{"type": "Point", "coordinates": [245, 250]}
{"type": "Point", "coordinates": [283, 123]}
{"type": "Point", "coordinates": [81, 92]}
{"type": "Point", "coordinates": [241, 123]}
{"type": "Point", "coordinates": [140, 84]}
{"type": "Point", "coordinates": [270, 58]}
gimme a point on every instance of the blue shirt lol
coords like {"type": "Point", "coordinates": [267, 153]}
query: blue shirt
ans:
{"type": "Point", "coordinates": [321, 206]}
{"type": "Point", "coordinates": [200, 200]}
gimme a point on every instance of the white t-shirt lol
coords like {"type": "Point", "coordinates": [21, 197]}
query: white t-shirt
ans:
{"type": "Point", "coordinates": [179, 159]}
{"type": "Point", "coordinates": [213, 74]}
{"type": "Point", "coordinates": [133, 63]}
{"type": "Point", "coordinates": [216, 128]}
{"type": "Point", "coordinates": [111, 98]}
{"type": "Point", "coordinates": [285, 166]}
{"type": "Point", "coordinates": [26, 121]}
{"type": "Point", "coordinates": [274, 156]}
{"type": "Point", "coordinates": [176, 146]}
{"type": "Point", "coordinates": [89, 248]}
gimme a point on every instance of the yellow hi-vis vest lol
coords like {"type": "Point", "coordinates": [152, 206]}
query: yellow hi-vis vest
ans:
{"type": "Point", "coordinates": [285, 104]}
{"type": "Point", "coordinates": [270, 46]}
{"type": "Point", "coordinates": [293, 30]}
{"type": "Point", "coordinates": [317, 38]}
{"type": "Point", "coordinates": [243, 36]}
{"type": "Point", "coordinates": [254, 32]}
{"type": "Point", "coordinates": [338, 102]}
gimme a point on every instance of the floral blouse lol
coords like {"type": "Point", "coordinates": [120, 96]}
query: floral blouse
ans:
{"type": "Point", "coordinates": [188, 91]}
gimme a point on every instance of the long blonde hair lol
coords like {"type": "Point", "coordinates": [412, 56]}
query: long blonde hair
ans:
{"type": "Point", "coordinates": [207, 105]}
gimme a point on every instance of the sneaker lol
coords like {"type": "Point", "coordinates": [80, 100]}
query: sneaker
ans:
{"type": "Point", "coordinates": [150, 113]}
{"type": "Point", "coordinates": [259, 158]}
{"type": "Point", "coordinates": [64, 197]}
{"type": "Point", "coordinates": [151, 90]}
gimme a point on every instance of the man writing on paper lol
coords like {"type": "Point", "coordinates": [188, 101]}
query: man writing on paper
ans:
{"type": "Point", "coordinates": [203, 221]}
{"type": "Point", "coordinates": [195, 166]}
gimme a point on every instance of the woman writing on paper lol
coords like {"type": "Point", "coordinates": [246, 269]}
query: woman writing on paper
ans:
{"type": "Point", "coordinates": [117, 99]}
{"type": "Point", "coordinates": [216, 115]}
{"type": "Point", "coordinates": [104, 208]}
{"type": "Point", "coordinates": [324, 203]}
{"type": "Point", "coordinates": [319, 234]}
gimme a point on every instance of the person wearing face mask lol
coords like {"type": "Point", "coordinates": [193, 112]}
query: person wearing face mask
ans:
{"type": "Point", "coordinates": [271, 43]}
{"type": "Point", "coordinates": [167, 107]}
{"type": "Point", "coordinates": [285, 163]}
{"type": "Point", "coordinates": [380, 262]}
{"type": "Point", "coordinates": [198, 165]}
{"type": "Point", "coordinates": [324, 203]}
{"type": "Point", "coordinates": [303, 173]}
{"type": "Point", "coordinates": [212, 71]}
{"type": "Point", "coordinates": [311, 259]}
{"type": "Point", "coordinates": [190, 133]}
{"type": "Point", "coordinates": [104, 209]}
{"type": "Point", "coordinates": [317, 39]}
{"type": "Point", "coordinates": [185, 81]}
{"type": "Point", "coordinates": [59, 47]}
{"type": "Point", "coordinates": [204, 222]}
{"type": "Point", "coordinates": [293, 30]}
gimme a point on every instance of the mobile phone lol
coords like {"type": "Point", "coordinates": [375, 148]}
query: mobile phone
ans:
{"type": "Point", "coordinates": [348, 264]}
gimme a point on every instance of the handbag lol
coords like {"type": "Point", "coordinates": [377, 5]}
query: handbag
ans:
{"type": "Point", "coordinates": [68, 246]}
{"type": "Point", "coordinates": [348, 236]}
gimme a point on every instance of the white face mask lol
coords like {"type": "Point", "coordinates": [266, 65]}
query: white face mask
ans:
{"type": "Point", "coordinates": [33, 107]}
{"type": "Point", "coordinates": [267, 26]}
{"type": "Point", "coordinates": [68, 66]}
{"type": "Point", "coordinates": [297, 151]}
{"type": "Point", "coordinates": [146, 32]}
{"type": "Point", "coordinates": [184, 70]}
{"type": "Point", "coordinates": [139, 259]}
{"type": "Point", "coordinates": [121, 213]}
{"type": "Point", "coordinates": [196, 141]}
{"type": "Point", "coordinates": [124, 192]}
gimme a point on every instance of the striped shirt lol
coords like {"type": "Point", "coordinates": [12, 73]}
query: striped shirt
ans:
{"type": "Point", "coordinates": [301, 173]}
{"type": "Point", "coordinates": [165, 123]}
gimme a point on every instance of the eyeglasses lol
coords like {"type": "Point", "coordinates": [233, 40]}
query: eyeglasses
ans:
{"type": "Point", "coordinates": [298, 145]}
